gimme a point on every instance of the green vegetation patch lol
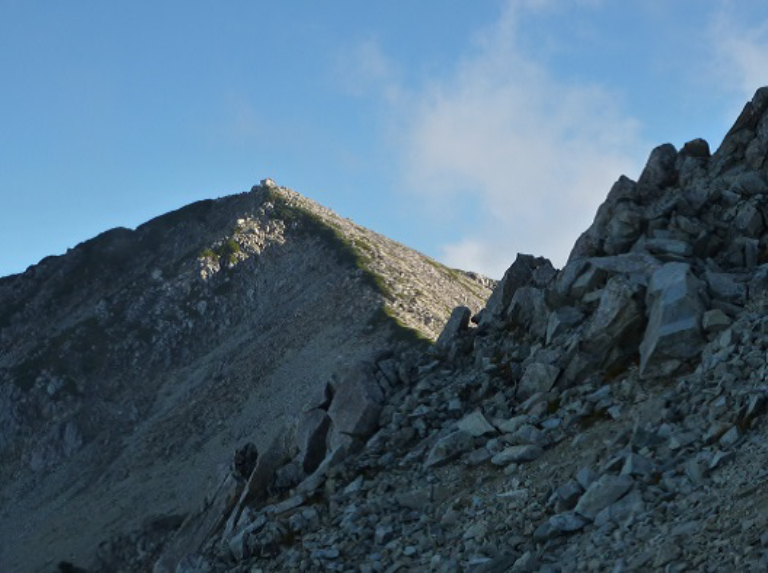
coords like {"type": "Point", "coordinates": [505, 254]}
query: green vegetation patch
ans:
{"type": "Point", "coordinates": [354, 252]}
{"type": "Point", "coordinates": [384, 317]}
{"type": "Point", "coordinates": [227, 251]}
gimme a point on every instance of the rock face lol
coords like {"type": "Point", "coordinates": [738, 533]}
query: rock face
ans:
{"type": "Point", "coordinates": [590, 408]}
{"type": "Point", "coordinates": [606, 416]}
{"type": "Point", "coordinates": [674, 324]}
{"type": "Point", "coordinates": [136, 364]}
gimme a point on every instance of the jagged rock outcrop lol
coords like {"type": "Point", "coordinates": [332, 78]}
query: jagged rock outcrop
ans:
{"type": "Point", "coordinates": [622, 431]}
{"type": "Point", "coordinates": [136, 364]}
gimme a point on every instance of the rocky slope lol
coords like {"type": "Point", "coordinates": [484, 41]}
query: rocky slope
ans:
{"type": "Point", "coordinates": [136, 364]}
{"type": "Point", "coordinates": [605, 417]}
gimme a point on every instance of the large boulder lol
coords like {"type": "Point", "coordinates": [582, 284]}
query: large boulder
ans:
{"type": "Point", "coordinates": [659, 172]}
{"type": "Point", "coordinates": [457, 323]}
{"type": "Point", "coordinates": [674, 322]}
{"type": "Point", "coordinates": [537, 378]}
{"type": "Point", "coordinates": [616, 327]}
{"type": "Point", "coordinates": [355, 408]}
{"type": "Point", "coordinates": [526, 270]}
{"type": "Point", "coordinates": [529, 312]}
{"type": "Point", "coordinates": [622, 197]}
{"type": "Point", "coordinates": [311, 437]}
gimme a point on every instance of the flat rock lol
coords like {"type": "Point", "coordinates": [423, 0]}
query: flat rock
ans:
{"type": "Point", "coordinates": [517, 455]}
{"type": "Point", "coordinates": [449, 448]}
{"type": "Point", "coordinates": [603, 492]}
{"type": "Point", "coordinates": [475, 424]}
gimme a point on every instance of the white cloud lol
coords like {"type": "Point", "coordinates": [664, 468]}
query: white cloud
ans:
{"type": "Point", "coordinates": [740, 57]}
{"type": "Point", "coordinates": [535, 155]}
{"type": "Point", "coordinates": [366, 69]}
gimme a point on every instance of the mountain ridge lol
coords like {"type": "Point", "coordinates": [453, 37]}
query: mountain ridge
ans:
{"type": "Point", "coordinates": [606, 416]}
{"type": "Point", "coordinates": [116, 353]}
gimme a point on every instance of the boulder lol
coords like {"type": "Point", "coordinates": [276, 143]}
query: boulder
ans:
{"type": "Point", "coordinates": [602, 493]}
{"type": "Point", "coordinates": [674, 321]}
{"type": "Point", "coordinates": [660, 171]}
{"type": "Point", "coordinates": [750, 183]}
{"type": "Point", "coordinates": [537, 378]}
{"type": "Point", "coordinates": [448, 448]}
{"type": "Point", "coordinates": [475, 424]}
{"type": "Point", "coordinates": [669, 247]}
{"type": "Point", "coordinates": [517, 455]}
{"type": "Point", "coordinates": [528, 311]}
{"type": "Point", "coordinates": [561, 320]}
{"type": "Point", "coordinates": [725, 287]}
{"type": "Point", "coordinates": [696, 148]}
{"type": "Point", "coordinates": [357, 402]}
{"type": "Point", "coordinates": [457, 323]}
{"type": "Point", "coordinates": [520, 274]}
{"type": "Point", "coordinates": [616, 327]}
{"type": "Point", "coordinates": [311, 435]}
{"type": "Point", "coordinates": [592, 241]}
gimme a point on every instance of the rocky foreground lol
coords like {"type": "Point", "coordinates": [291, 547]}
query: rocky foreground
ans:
{"type": "Point", "coordinates": [605, 417]}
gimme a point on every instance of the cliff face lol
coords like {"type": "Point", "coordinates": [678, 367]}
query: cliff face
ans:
{"type": "Point", "coordinates": [133, 366]}
{"type": "Point", "coordinates": [606, 416]}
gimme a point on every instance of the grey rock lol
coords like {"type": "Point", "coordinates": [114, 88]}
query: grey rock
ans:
{"type": "Point", "coordinates": [674, 324]}
{"type": "Point", "coordinates": [416, 499]}
{"type": "Point", "coordinates": [475, 424]}
{"type": "Point", "coordinates": [527, 434]}
{"type": "Point", "coordinates": [569, 493]}
{"type": "Point", "coordinates": [748, 221]}
{"type": "Point", "coordinates": [561, 320]}
{"type": "Point", "coordinates": [627, 508]}
{"type": "Point", "coordinates": [479, 456]}
{"type": "Point", "coordinates": [518, 275]}
{"type": "Point", "coordinates": [637, 465]}
{"type": "Point", "coordinates": [528, 310]}
{"type": "Point", "coordinates": [615, 329]}
{"type": "Point", "coordinates": [513, 424]}
{"type": "Point", "coordinates": [603, 492]}
{"type": "Point", "coordinates": [567, 522]}
{"type": "Point", "coordinates": [758, 285]}
{"type": "Point", "coordinates": [457, 323]}
{"type": "Point", "coordinates": [592, 278]}
{"type": "Point", "coordinates": [696, 148]}
{"type": "Point", "coordinates": [592, 242]}
{"type": "Point", "coordinates": [356, 404]}
{"type": "Point", "coordinates": [526, 563]}
{"type": "Point", "coordinates": [725, 287]}
{"type": "Point", "coordinates": [669, 247]}
{"type": "Point", "coordinates": [449, 448]}
{"type": "Point", "coordinates": [384, 533]}
{"type": "Point", "coordinates": [537, 378]}
{"type": "Point", "coordinates": [311, 436]}
{"type": "Point", "coordinates": [517, 454]}
{"type": "Point", "coordinates": [660, 171]}
{"type": "Point", "coordinates": [750, 183]}
{"type": "Point", "coordinates": [714, 321]}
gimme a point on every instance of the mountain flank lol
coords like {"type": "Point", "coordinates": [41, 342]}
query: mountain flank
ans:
{"type": "Point", "coordinates": [133, 366]}
{"type": "Point", "coordinates": [607, 416]}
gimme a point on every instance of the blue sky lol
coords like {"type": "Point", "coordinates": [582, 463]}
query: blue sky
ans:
{"type": "Point", "coordinates": [468, 130]}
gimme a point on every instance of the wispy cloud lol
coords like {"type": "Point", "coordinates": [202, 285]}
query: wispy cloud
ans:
{"type": "Point", "coordinates": [740, 58]}
{"type": "Point", "coordinates": [366, 70]}
{"type": "Point", "coordinates": [534, 155]}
